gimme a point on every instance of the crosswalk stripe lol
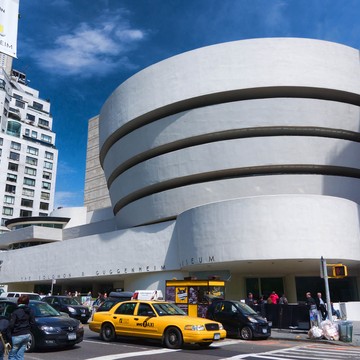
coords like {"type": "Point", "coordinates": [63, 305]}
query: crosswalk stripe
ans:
{"type": "Point", "coordinates": [132, 354]}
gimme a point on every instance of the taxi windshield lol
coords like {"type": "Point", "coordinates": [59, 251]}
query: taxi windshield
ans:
{"type": "Point", "coordinates": [164, 309]}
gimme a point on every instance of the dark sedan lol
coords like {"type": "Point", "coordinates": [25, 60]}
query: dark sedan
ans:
{"type": "Point", "coordinates": [239, 319]}
{"type": "Point", "coordinates": [51, 329]}
{"type": "Point", "coordinates": [69, 305]}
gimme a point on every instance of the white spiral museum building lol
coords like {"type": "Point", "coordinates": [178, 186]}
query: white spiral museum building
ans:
{"type": "Point", "coordinates": [241, 160]}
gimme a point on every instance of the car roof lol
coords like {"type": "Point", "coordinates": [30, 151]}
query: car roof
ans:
{"type": "Point", "coordinates": [147, 301]}
{"type": "Point", "coordinates": [121, 294]}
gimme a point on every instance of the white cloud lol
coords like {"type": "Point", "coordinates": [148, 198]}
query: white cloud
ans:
{"type": "Point", "coordinates": [89, 50]}
{"type": "Point", "coordinates": [274, 16]}
{"type": "Point", "coordinates": [68, 199]}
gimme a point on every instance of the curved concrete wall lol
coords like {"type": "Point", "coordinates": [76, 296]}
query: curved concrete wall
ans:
{"type": "Point", "coordinates": [198, 127]}
{"type": "Point", "coordinates": [271, 227]}
{"type": "Point", "coordinates": [203, 124]}
{"type": "Point", "coordinates": [184, 198]}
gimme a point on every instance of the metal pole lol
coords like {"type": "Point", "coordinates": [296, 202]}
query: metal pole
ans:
{"type": "Point", "coordinates": [327, 291]}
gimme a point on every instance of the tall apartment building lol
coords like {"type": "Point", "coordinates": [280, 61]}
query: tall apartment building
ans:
{"type": "Point", "coordinates": [28, 156]}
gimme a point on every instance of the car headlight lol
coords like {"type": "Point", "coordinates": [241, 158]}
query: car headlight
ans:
{"type": "Point", "coordinates": [221, 327]}
{"type": "Point", "coordinates": [50, 329]}
{"type": "Point", "coordinates": [194, 327]}
{"type": "Point", "coordinates": [251, 319]}
{"type": "Point", "coordinates": [71, 309]}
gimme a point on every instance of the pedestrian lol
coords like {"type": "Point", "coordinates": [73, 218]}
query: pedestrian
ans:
{"type": "Point", "coordinates": [320, 305]}
{"type": "Point", "coordinates": [250, 299]}
{"type": "Point", "coordinates": [5, 342]}
{"type": "Point", "coordinates": [22, 318]}
{"type": "Point", "coordinates": [335, 312]}
{"type": "Point", "coordinates": [283, 300]}
{"type": "Point", "coordinates": [311, 304]}
{"type": "Point", "coordinates": [274, 297]}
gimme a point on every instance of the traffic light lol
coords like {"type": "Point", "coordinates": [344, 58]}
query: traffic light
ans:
{"type": "Point", "coordinates": [339, 271]}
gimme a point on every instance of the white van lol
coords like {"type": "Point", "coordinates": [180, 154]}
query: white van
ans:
{"type": "Point", "coordinates": [148, 295]}
{"type": "Point", "coordinates": [15, 295]}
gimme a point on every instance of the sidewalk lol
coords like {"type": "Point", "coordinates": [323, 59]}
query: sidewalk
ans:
{"type": "Point", "coordinates": [302, 335]}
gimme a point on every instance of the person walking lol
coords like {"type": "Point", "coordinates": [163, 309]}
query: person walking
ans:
{"type": "Point", "coordinates": [21, 321]}
{"type": "Point", "coordinates": [320, 304]}
{"type": "Point", "coordinates": [311, 304]}
{"type": "Point", "coordinates": [5, 342]}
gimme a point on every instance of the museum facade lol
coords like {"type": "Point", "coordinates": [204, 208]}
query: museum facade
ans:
{"type": "Point", "coordinates": [239, 161]}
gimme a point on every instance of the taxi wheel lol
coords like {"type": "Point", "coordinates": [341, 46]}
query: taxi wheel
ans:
{"type": "Point", "coordinates": [107, 332]}
{"type": "Point", "coordinates": [173, 338]}
{"type": "Point", "coordinates": [246, 333]}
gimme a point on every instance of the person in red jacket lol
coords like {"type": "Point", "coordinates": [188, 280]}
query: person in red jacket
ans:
{"type": "Point", "coordinates": [274, 297]}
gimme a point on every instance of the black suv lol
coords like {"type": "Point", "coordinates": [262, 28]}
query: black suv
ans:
{"type": "Point", "coordinates": [239, 319]}
{"type": "Point", "coordinates": [69, 305]}
{"type": "Point", "coordinates": [114, 298]}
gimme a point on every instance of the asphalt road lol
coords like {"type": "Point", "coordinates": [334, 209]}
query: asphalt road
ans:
{"type": "Point", "coordinates": [92, 348]}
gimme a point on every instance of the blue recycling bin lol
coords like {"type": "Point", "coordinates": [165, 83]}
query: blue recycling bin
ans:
{"type": "Point", "coordinates": [345, 331]}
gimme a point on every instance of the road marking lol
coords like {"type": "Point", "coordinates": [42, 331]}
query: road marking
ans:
{"type": "Point", "coordinates": [302, 352]}
{"type": "Point", "coordinates": [133, 354]}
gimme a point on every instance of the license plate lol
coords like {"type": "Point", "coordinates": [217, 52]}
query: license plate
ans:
{"type": "Point", "coordinates": [216, 336]}
{"type": "Point", "coordinates": [264, 331]}
{"type": "Point", "coordinates": [72, 336]}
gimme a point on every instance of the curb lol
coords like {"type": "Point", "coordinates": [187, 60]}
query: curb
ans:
{"type": "Point", "coordinates": [302, 336]}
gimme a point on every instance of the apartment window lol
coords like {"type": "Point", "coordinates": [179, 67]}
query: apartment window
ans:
{"type": "Point", "coordinates": [45, 196]}
{"type": "Point", "coordinates": [17, 96]}
{"type": "Point", "coordinates": [14, 156]}
{"type": "Point", "coordinates": [15, 145]}
{"type": "Point", "coordinates": [46, 138]}
{"type": "Point", "coordinates": [10, 188]}
{"type": "Point", "coordinates": [31, 161]}
{"type": "Point", "coordinates": [37, 106]}
{"type": "Point", "coordinates": [30, 171]}
{"type": "Point", "coordinates": [46, 185]}
{"type": "Point", "coordinates": [12, 166]}
{"type": "Point", "coordinates": [30, 117]}
{"type": "Point", "coordinates": [7, 211]}
{"type": "Point", "coordinates": [48, 165]}
{"type": "Point", "coordinates": [9, 199]}
{"type": "Point", "coordinates": [29, 182]}
{"type": "Point", "coordinates": [20, 104]}
{"type": "Point", "coordinates": [49, 155]}
{"type": "Point", "coordinates": [27, 132]}
{"type": "Point", "coordinates": [3, 221]}
{"type": "Point", "coordinates": [43, 122]}
{"type": "Point", "coordinates": [33, 151]}
{"type": "Point", "coordinates": [1, 141]}
{"type": "Point", "coordinates": [25, 213]}
{"type": "Point", "coordinates": [27, 203]}
{"type": "Point", "coordinates": [13, 128]}
{"type": "Point", "coordinates": [34, 134]}
{"type": "Point", "coordinates": [28, 192]}
{"type": "Point", "coordinates": [11, 177]}
{"type": "Point", "coordinates": [43, 214]}
{"type": "Point", "coordinates": [47, 175]}
{"type": "Point", "coordinates": [0, 152]}
{"type": "Point", "coordinates": [44, 206]}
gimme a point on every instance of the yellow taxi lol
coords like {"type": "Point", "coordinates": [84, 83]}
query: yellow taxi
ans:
{"type": "Point", "coordinates": [159, 320]}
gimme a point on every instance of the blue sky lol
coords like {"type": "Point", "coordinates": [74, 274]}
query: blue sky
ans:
{"type": "Point", "coordinates": [76, 52]}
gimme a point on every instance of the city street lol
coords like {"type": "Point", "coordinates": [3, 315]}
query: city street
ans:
{"type": "Point", "coordinates": [92, 348]}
